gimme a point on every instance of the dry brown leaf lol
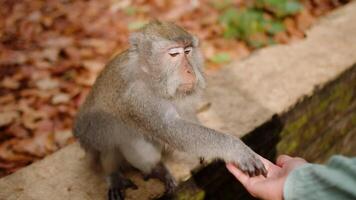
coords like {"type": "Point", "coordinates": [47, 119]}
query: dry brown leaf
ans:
{"type": "Point", "coordinates": [281, 37]}
{"type": "Point", "coordinates": [304, 20]}
{"type": "Point", "coordinates": [182, 8]}
{"type": "Point", "coordinates": [62, 137]}
{"type": "Point", "coordinates": [10, 83]}
{"type": "Point", "coordinates": [18, 131]}
{"type": "Point", "coordinates": [8, 117]}
{"type": "Point", "coordinates": [95, 66]}
{"type": "Point", "coordinates": [47, 84]}
{"type": "Point", "coordinates": [38, 146]}
{"type": "Point", "coordinates": [7, 98]}
{"type": "Point", "coordinates": [59, 42]}
{"type": "Point", "coordinates": [60, 98]}
{"type": "Point", "coordinates": [7, 153]}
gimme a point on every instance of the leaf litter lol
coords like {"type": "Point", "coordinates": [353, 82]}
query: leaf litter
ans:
{"type": "Point", "coordinates": [52, 51]}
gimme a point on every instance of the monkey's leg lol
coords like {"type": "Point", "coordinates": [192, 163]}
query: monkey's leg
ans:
{"type": "Point", "coordinates": [161, 173]}
{"type": "Point", "coordinates": [146, 156]}
{"type": "Point", "coordinates": [113, 163]}
{"type": "Point", "coordinates": [140, 153]}
{"type": "Point", "coordinates": [118, 184]}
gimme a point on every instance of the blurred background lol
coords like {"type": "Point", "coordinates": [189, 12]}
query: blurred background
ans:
{"type": "Point", "coordinates": [52, 51]}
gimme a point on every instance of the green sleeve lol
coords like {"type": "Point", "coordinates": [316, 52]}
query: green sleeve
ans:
{"type": "Point", "coordinates": [335, 180]}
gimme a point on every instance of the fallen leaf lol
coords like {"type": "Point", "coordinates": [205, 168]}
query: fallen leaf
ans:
{"type": "Point", "coordinates": [61, 137]}
{"type": "Point", "coordinates": [59, 42]}
{"type": "Point", "coordinates": [8, 117]}
{"type": "Point", "coordinates": [304, 20]}
{"type": "Point", "coordinates": [47, 84]}
{"type": "Point", "coordinates": [94, 66]}
{"type": "Point", "coordinates": [7, 98]}
{"type": "Point", "coordinates": [10, 83]}
{"type": "Point", "coordinates": [7, 153]}
{"type": "Point", "coordinates": [18, 131]}
{"type": "Point", "coordinates": [60, 98]}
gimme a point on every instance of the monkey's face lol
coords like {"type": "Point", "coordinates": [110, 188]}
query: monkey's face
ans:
{"type": "Point", "coordinates": [171, 58]}
{"type": "Point", "coordinates": [181, 69]}
{"type": "Point", "coordinates": [178, 56]}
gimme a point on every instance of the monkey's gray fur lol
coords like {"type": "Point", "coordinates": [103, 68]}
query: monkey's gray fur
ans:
{"type": "Point", "coordinates": [135, 112]}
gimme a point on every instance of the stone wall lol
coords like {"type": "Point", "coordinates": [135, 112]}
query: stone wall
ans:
{"type": "Point", "coordinates": [324, 124]}
{"type": "Point", "coordinates": [316, 128]}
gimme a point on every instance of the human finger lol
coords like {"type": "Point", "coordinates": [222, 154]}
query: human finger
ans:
{"type": "Point", "coordinates": [282, 159]}
{"type": "Point", "coordinates": [242, 177]}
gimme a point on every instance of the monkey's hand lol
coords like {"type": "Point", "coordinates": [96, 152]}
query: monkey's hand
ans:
{"type": "Point", "coordinates": [249, 162]}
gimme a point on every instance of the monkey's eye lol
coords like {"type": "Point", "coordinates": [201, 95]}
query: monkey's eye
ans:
{"type": "Point", "coordinates": [174, 54]}
{"type": "Point", "coordinates": [188, 50]}
{"type": "Point", "coordinates": [175, 51]}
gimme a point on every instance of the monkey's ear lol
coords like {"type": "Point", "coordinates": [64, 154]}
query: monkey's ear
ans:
{"type": "Point", "coordinates": [135, 39]}
{"type": "Point", "coordinates": [196, 41]}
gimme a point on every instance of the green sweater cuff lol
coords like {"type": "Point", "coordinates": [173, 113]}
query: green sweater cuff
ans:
{"type": "Point", "coordinates": [293, 184]}
{"type": "Point", "coordinates": [335, 180]}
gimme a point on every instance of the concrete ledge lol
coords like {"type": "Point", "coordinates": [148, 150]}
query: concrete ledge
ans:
{"type": "Point", "coordinates": [244, 95]}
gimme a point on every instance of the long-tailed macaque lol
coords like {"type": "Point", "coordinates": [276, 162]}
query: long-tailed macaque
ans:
{"type": "Point", "coordinates": [142, 106]}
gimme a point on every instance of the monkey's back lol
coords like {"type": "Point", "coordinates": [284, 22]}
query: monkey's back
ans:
{"type": "Point", "coordinates": [96, 114]}
{"type": "Point", "coordinates": [108, 84]}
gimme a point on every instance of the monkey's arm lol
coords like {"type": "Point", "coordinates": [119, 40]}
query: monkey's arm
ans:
{"type": "Point", "coordinates": [160, 118]}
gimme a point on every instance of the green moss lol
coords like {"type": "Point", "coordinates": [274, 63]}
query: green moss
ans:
{"type": "Point", "coordinates": [311, 123]}
{"type": "Point", "coordinates": [344, 102]}
{"type": "Point", "coordinates": [353, 120]}
{"type": "Point", "coordinates": [189, 195]}
{"type": "Point", "coordinates": [324, 144]}
{"type": "Point", "coordinates": [293, 127]}
{"type": "Point", "coordinates": [288, 146]}
{"type": "Point", "coordinates": [292, 146]}
{"type": "Point", "coordinates": [321, 107]}
{"type": "Point", "coordinates": [309, 133]}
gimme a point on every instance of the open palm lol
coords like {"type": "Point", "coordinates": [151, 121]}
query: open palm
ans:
{"type": "Point", "coordinates": [270, 187]}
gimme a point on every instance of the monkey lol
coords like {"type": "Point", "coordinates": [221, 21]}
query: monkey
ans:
{"type": "Point", "coordinates": [142, 106]}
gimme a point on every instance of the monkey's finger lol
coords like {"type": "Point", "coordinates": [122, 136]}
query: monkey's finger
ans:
{"type": "Point", "coordinates": [261, 167]}
{"type": "Point", "coordinates": [270, 168]}
{"type": "Point", "coordinates": [261, 171]}
{"type": "Point", "coordinates": [251, 172]}
{"type": "Point", "coordinates": [264, 172]}
{"type": "Point", "coordinates": [256, 170]}
{"type": "Point", "coordinates": [247, 168]}
{"type": "Point", "coordinates": [115, 194]}
{"type": "Point", "coordinates": [266, 162]}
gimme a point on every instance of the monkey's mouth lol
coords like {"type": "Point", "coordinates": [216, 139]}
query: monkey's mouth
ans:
{"type": "Point", "coordinates": [186, 87]}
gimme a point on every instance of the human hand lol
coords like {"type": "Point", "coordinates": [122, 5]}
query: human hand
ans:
{"type": "Point", "coordinates": [270, 187]}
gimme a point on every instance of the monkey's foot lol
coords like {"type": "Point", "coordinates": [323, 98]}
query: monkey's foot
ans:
{"type": "Point", "coordinates": [161, 173]}
{"type": "Point", "coordinates": [252, 166]}
{"type": "Point", "coordinates": [115, 194]}
{"type": "Point", "coordinates": [118, 184]}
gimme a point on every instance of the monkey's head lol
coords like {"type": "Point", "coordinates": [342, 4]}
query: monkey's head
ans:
{"type": "Point", "coordinates": [170, 57]}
